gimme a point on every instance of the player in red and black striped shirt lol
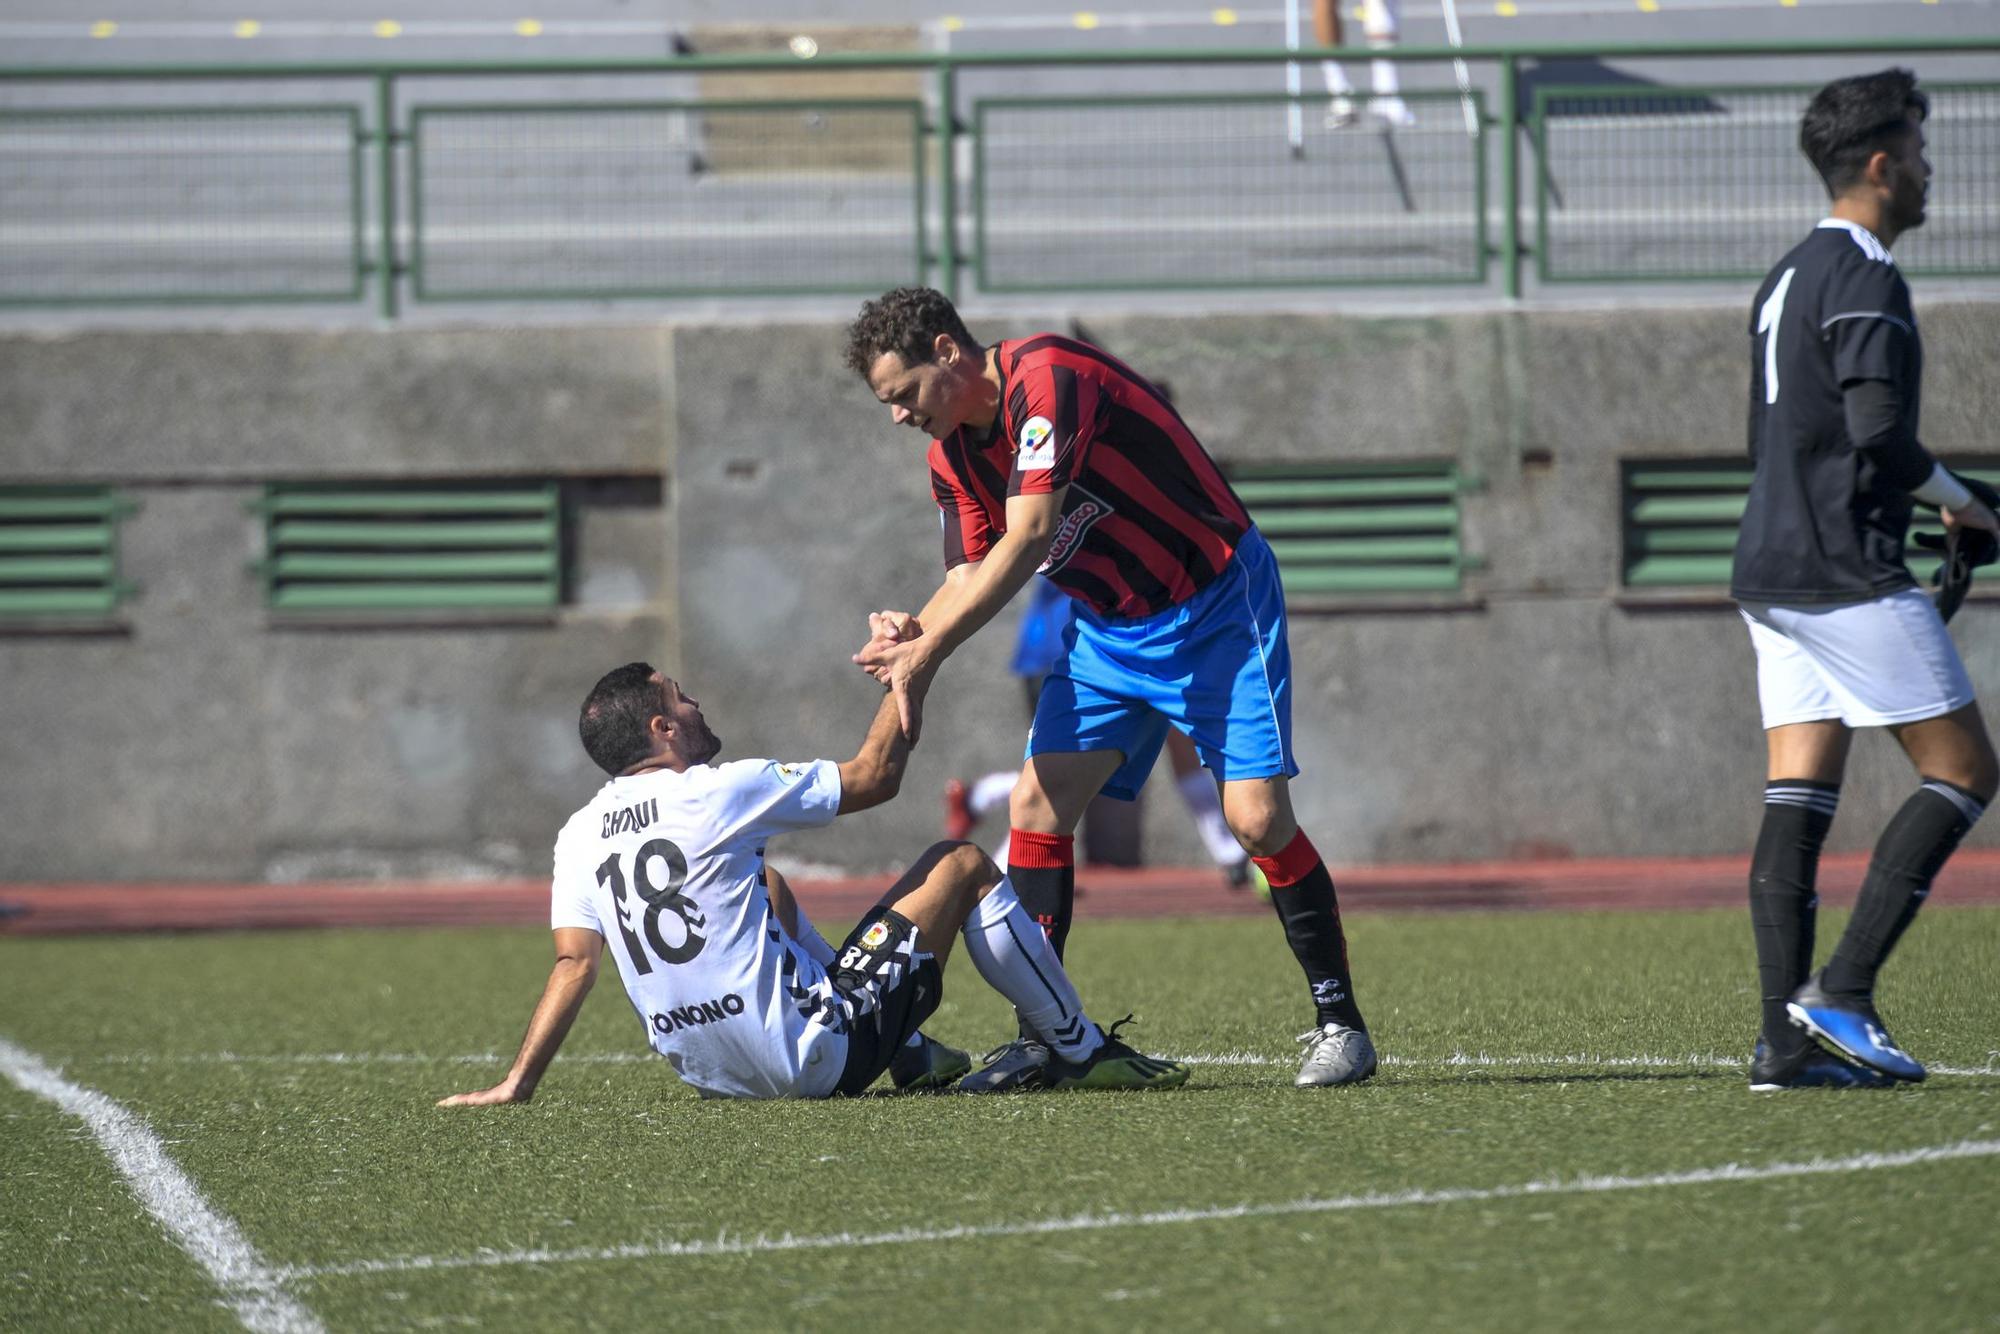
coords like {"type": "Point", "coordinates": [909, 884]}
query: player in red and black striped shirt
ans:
{"type": "Point", "coordinates": [1049, 455]}
{"type": "Point", "coordinates": [1148, 520]}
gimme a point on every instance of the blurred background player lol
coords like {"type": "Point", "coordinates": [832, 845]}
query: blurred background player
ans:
{"type": "Point", "coordinates": [1037, 649]}
{"type": "Point", "coordinates": [1381, 24]}
{"type": "Point", "coordinates": [735, 987]}
{"type": "Point", "coordinates": [1050, 456]}
{"type": "Point", "coordinates": [1843, 637]}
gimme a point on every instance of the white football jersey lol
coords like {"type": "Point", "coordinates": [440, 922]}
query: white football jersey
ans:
{"type": "Point", "coordinates": [668, 868]}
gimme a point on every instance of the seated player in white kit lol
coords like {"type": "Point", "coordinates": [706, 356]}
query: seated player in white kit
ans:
{"type": "Point", "coordinates": [734, 986]}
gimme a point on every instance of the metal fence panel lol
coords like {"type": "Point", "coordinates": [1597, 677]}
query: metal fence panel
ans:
{"type": "Point", "coordinates": [666, 199]}
{"type": "Point", "coordinates": [170, 204]}
{"type": "Point", "coordinates": [1084, 194]}
{"type": "Point", "coordinates": [1707, 183]}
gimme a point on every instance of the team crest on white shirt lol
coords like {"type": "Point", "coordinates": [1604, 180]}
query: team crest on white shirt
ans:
{"type": "Point", "coordinates": [1038, 446]}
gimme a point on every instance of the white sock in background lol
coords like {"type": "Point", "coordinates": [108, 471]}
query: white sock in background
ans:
{"type": "Point", "coordinates": [1198, 791]}
{"type": "Point", "coordinates": [990, 791]}
{"type": "Point", "coordinates": [1336, 78]}
{"type": "Point", "coordinates": [1017, 961]}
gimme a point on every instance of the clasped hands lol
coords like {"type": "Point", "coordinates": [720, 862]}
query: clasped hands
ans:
{"type": "Point", "coordinates": [898, 656]}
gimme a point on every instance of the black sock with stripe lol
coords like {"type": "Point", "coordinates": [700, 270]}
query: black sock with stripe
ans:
{"type": "Point", "coordinates": [1784, 900]}
{"type": "Point", "coordinates": [1919, 840]}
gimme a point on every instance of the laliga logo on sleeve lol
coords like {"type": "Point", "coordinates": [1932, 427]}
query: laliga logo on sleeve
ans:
{"type": "Point", "coordinates": [875, 937]}
{"type": "Point", "coordinates": [1038, 446]}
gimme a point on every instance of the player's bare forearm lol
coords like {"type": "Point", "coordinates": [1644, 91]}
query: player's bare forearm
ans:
{"type": "Point", "coordinates": [1000, 576]}
{"type": "Point", "coordinates": [562, 999]}
{"type": "Point", "coordinates": [875, 774]}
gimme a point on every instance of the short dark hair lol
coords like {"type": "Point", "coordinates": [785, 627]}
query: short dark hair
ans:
{"type": "Point", "coordinates": [616, 714]}
{"type": "Point", "coordinates": [905, 321]}
{"type": "Point", "coordinates": [1851, 120]}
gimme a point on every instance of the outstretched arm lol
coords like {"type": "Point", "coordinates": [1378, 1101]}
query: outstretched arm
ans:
{"type": "Point", "coordinates": [907, 665]}
{"type": "Point", "coordinates": [577, 954]}
{"type": "Point", "coordinates": [875, 774]}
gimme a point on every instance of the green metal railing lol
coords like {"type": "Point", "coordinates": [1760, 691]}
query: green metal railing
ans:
{"type": "Point", "coordinates": [1404, 208]}
{"type": "Point", "coordinates": [411, 547]}
{"type": "Point", "coordinates": [1606, 211]}
{"type": "Point", "coordinates": [1206, 191]}
{"type": "Point", "coordinates": [608, 199]}
{"type": "Point", "coordinates": [183, 205]}
{"type": "Point", "coordinates": [1681, 518]}
{"type": "Point", "coordinates": [59, 551]}
{"type": "Point", "coordinates": [1360, 528]}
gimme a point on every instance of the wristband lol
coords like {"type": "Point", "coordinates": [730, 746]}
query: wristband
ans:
{"type": "Point", "coordinates": [1943, 490]}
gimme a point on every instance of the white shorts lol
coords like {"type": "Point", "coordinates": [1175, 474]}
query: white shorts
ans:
{"type": "Point", "coordinates": [1869, 664]}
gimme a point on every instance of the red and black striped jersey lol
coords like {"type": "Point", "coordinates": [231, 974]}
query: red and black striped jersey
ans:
{"type": "Point", "coordinates": [1147, 518]}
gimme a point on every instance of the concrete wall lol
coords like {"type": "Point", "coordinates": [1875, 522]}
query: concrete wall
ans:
{"type": "Point", "coordinates": [1541, 714]}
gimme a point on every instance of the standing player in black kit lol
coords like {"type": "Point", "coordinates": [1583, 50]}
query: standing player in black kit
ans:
{"type": "Point", "coordinates": [1843, 637]}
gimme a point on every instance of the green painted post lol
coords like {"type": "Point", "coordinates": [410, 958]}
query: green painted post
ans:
{"type": "Point", "coordinates": [385, 139]}
{"type": "Point", "coordinates": [1510, 173]}
{"type": "Point", "coordinates": [947, 136]}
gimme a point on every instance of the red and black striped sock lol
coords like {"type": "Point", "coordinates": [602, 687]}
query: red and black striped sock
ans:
{"type": "Point", "coordinates": [1302, 893]}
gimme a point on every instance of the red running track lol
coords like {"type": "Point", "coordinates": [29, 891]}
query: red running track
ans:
{"type": "Point", "coordinates": [1595, 885]}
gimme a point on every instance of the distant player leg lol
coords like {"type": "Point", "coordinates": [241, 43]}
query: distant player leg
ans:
{"type": "Point", "coordinates": [1204, 802]}
{"type": "Point", "coordinates": [1382, 22]}
{"type": "Point", "coordinates": [1326, 31]}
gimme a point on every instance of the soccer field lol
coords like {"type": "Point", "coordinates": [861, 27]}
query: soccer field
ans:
{"type": "Point", "coordinates": [1561, 1137]}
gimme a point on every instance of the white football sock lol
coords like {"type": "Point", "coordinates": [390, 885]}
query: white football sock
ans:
{"type": "Point", "coordinates": [1017, 961]}
{"type": "Point", "coordinates": [1198, 791]}
{"type": "Point", "coordinates": [1336, 78]}
{"type": "Point", "coordinates": [990, 791]}
{"type": "Point", "coordinates": [1382, 22]}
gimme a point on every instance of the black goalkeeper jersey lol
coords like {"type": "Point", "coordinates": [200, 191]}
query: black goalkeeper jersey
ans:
{"type": "Point", "coordinates": [1821, 524]}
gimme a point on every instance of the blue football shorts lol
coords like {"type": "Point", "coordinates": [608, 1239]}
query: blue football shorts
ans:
{"type": "Point", "coordinates": [1217, 667]}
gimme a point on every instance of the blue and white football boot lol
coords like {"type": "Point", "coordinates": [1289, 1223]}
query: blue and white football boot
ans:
{"type": "Point", "coordinates": [1852, 1028]}
{"type": "Point", "coordinates": [1811, 1068]}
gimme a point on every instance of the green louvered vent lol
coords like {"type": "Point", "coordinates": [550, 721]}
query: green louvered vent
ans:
{"type": "Point", "coordinates": [1359, 528]}
{"type": "Point", "coordinates": [412, 547]}
{"type": "Point", "coordinates": [59, 551]}
{"type": "Point", "coordinates": [1681, 519]}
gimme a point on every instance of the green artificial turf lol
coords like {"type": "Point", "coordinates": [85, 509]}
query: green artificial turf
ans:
{"type": "Point", "coordinates": [292, 1077]}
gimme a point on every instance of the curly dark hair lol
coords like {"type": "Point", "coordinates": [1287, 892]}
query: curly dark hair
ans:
{"type": "Point", "coordinates": [905, 321]}
{"type": "Point", "coordinates": [615, 716]}
{"type": "Point", "coordinates": [1850, 120]}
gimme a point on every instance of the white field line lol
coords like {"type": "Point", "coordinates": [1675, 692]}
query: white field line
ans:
{"type": "Point", "coordinates": [1455, 1061]}
{"type": "Point", "coordinates": [724, 1245]}
{"type": "Point", "coordinates": [252, 1288]}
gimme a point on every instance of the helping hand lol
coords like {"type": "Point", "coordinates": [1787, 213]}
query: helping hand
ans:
{"type": "Point", "coordinates": [886, 628]}
{"type": "Point", "coordinates": [905, 668]}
